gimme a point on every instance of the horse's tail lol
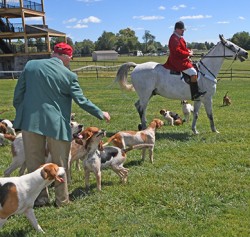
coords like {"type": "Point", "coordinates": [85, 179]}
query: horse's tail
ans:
{"type": "Point", "coordinates": [122, 76]}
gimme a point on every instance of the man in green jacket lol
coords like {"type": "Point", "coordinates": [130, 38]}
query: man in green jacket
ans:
{"type": "Point", "coordinates": [43, 100]}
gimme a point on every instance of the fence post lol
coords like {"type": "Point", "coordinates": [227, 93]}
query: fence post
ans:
{"type": "Point", "coordinates": [96, 73]}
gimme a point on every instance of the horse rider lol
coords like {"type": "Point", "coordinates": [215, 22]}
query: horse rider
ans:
{"type": "Point", "coordinates": [179, 58]}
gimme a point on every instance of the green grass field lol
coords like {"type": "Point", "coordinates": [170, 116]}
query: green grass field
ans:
{"type": "Point", "coordinates": [198, 185]}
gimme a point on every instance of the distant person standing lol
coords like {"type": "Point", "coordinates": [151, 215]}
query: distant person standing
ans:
{"type": "Point", "coordinates": [179, 58]}
{"type": "Point", "coordinates": [43, 100]}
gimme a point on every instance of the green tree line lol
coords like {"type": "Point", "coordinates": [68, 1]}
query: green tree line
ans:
{"type": "Point", "coordinates": [126, 42]}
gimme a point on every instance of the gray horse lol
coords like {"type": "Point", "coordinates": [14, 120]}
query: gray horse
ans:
{"type": "Point", "coordinates": [152, 78]}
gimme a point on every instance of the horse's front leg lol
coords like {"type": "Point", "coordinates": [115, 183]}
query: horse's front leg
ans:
{"type": "Point", "coordinates": [197, 105]}
{"type": "Point", "coordinates": [209, 110]}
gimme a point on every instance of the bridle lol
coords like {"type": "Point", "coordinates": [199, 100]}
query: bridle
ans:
{"type": "Point", "coordinates": [235, 56]}
{"type": "Point", "coordinates": [224, 56]}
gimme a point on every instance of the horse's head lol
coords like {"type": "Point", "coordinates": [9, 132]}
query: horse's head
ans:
{"type": "Point", "coordinates": [237, 51]}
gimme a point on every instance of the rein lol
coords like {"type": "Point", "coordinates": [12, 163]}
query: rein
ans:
{"type": "Point", "coordinates": [207, 69]}
{"type": "Point", "coordinates": [220, 56]}
{"type": "Point", "coordinates": [214, 56]}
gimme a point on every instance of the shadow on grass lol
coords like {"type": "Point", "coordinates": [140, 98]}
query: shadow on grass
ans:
{"type": "Point", "coordinates": [174, 136]}
{"type": "Point", "coordinates": [134, 163]}
{"type": "Point", "coordinates": [19, 233]}
{"type": "Point", "coordinates": [78, 193]}
{"type": "Point", "coordinates": [81, 192]}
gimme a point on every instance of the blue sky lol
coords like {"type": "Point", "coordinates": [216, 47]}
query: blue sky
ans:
{"type": "Point", "coordinates": [204, 19]}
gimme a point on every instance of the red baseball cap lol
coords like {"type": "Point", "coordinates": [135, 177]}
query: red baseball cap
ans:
{"type": "Point", "coordinates": [63, 48]}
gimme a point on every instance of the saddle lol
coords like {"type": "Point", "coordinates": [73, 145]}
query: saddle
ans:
{"type": "Point", "coordinates": [185, 77]}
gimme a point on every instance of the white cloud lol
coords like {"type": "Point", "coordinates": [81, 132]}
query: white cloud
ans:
{"type": "Point", "coordinates": [162, 8]}
{"type": "Point", "coordinates": [149, 18]}
{"type": "Point", "coordinates": [81, 23]}
{"type": "Point", "coordinates": [77, 26]}
{"type": "Point", "coordinates": [195, 17]}
{"type": "Point", "coordinates": [223, 22]}
{"type": "Point", "coordinates": [90, 19]}
{"type": "Point", "coordinates": [241, 18]}
{"type": "Point", "coordinates": [176, 8]}
{"type": "Point", "coordinates": [137, 28]}
{"type": "Point", "coordinates": [70, 20]}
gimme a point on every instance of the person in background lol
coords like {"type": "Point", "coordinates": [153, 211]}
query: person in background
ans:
{"type": "Point", "coordinates": [179, 58]}
{"type": "Point", "coordinates": [43, 99]}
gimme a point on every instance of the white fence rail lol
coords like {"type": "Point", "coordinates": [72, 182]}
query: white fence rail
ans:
{"type": "Point", "coordinates": [94, 71]}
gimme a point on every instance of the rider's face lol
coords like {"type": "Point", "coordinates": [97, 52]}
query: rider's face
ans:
{"type": "Point", "coordinates": [180, 31]}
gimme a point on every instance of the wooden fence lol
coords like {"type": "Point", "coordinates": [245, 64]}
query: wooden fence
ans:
{"type": "Point", "coordinates": [109, 70]}
{"type": "Point", "coordinates": [233, 73]}
{"type": "Point", "coordinates": [98, 72]}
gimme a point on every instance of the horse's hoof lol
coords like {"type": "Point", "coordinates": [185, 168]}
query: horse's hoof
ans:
{"type": "Point", "coordinates": [139, 126]}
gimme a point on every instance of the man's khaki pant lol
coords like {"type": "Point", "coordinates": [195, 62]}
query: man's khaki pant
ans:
{"type": "Point", "coordinates": [35, 151]}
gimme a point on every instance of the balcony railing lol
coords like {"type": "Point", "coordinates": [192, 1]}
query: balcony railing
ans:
{"type": "Point", "coordinates": [15, 27]}
{"type": "Point", "coordinates": [32, 48]}
{"type": "Point", "coordinates": [26, 4]}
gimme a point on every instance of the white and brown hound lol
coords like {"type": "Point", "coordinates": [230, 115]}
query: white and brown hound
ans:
{"type": "Point", "coordinates": [125, 139]}
{"type": "Point", "coordinates": [18, 194]}
{"type": "Point", "coordinates": [98, 157]}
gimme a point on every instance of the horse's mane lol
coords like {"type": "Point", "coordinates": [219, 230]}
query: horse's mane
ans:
{"type": "Point", "coordinates": [211, 49]}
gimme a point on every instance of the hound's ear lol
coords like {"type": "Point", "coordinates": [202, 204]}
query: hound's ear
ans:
{"type": "Point", "coordinates": [44, 174]}
{"type": "Point", "coordinates": [48, 172]}
{"type": "Point", "coordinates": [222, 39]}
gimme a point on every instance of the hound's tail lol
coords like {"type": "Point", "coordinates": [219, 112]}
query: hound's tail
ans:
{"type": "Point", "coordinates": [122, 76]}
{"type": "Point", "coordinates": [139, 146]}
{"type": "Point", "coordinates": [109, 141]}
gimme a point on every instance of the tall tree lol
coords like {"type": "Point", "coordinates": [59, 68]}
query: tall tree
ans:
{"type": "Point", "coordinates": [126, 41]}
{"type": "Point", "coordinates": [84, 48]}
{"type": "Point", "coordinates": [242, 39]}
{"type": "Point", "coordinates": [106, 41]}
{"type": "Point", "coordinates": [148, 39]}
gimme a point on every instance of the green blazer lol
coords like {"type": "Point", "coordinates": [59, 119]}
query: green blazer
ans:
{"type": "Point", "coordinates": [43, 99]}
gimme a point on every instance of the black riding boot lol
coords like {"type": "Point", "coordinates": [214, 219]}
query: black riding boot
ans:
{"type": "Point", "coordinates": [195, 93]}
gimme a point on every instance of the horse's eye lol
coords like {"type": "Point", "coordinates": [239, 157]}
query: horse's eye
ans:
{"type": "Point", "coordinates": [231, 47]}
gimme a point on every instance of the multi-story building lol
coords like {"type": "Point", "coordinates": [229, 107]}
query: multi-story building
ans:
{"type": "Point", "coordinates": [19, 41]}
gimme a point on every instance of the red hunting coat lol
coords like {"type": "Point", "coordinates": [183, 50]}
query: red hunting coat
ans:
{"type": "Point", "coordinates": [178, 59]}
